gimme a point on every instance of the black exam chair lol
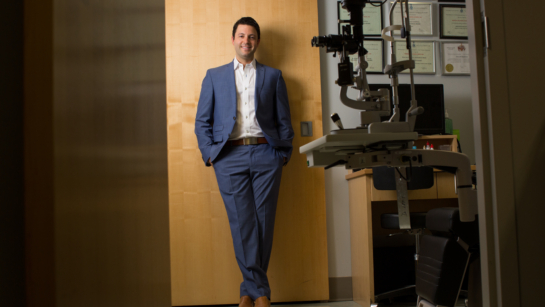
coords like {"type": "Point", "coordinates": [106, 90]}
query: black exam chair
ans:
{"type": "Point", "coordinates": [445, 258]}
{"type": "Point", "coordinates": [384, 179]}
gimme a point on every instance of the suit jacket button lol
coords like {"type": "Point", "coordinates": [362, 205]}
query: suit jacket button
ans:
{"type": "Point", "coordinates": [234, 118]}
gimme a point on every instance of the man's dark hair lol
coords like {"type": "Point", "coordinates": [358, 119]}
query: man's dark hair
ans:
{"type": "Point", "coordinates": [249, 21]}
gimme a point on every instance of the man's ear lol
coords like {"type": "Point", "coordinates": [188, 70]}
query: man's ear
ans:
{"type": "Point", "coordinates": [233, 40]}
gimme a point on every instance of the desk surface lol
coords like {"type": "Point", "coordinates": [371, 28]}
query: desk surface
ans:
{"type": "Point", "coordinates": [369, 171]}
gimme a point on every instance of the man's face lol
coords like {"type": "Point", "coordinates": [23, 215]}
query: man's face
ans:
{"type": "Point", "coordinates": [245, 42]}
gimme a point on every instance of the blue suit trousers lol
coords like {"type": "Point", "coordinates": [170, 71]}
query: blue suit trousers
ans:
{"type": "Point", "coordinates": [249, 181]}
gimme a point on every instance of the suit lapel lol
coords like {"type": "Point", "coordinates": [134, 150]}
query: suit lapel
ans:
{"type": "Point", "coordinates": [232, 85]}
{"type": "Point", "coordinates": [259, 81]}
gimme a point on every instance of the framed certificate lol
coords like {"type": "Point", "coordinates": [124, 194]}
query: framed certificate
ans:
{"type": "Point", "coordinates": [420, 16]}
{"type": "Point", "coordinates": [374, 56]}
{"type": "Point", "coordinates": [372, 19]}
{"type": "Point", "coordinates": [423, 55]}
{"type": "Point", "coordinates": [453, 21]}
{"type": "Point", "coordinates": [455, 58]}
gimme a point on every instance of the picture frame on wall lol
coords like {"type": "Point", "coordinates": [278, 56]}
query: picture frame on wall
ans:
{"type": "Point", "coordinates": [421, 15]}
{"type": "Point", "coordinates": [453, 1]}
{"type": "Point", "coordinates": [423, 52]}
{"type": "Point", "coordinates": [372, 19]}
{"type": "Point", "coordinates": [453, 21]}
{"type": "Point", "coordinates": [455, 58]}
{"type": "Point", "coordinates": [374, 56]}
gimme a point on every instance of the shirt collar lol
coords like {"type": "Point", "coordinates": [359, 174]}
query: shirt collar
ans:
{"type": "Point", "coordinates": [236, 64]}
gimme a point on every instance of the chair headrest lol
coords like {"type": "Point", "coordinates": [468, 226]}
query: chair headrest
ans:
{"type": "Point", "coordinates": [446, 221]}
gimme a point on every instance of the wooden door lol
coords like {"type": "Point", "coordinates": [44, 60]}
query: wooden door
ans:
{"type": "Point", "coordinates": [203, 265]}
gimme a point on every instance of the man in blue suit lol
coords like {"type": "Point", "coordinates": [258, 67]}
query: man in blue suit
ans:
{"type": "Point", "coordinates": [243, 128]}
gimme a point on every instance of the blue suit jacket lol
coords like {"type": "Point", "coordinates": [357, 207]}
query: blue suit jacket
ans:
{"type": "Point", "coordinates": [217, 110]}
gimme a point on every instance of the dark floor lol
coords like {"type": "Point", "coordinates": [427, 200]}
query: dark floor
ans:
{"type": "Point", "coordinates": [349, 304]}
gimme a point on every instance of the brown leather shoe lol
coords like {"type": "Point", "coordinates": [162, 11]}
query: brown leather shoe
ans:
{"type": "Point", "coordinates": [262, 302]}
{"type": "Point", "coordinates": [246, 301]}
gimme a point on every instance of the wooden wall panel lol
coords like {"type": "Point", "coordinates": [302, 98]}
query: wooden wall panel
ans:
{"type": "Point", "coordinates": [96, 189]}
{"type": "Point", "coordinates": [204, 269]}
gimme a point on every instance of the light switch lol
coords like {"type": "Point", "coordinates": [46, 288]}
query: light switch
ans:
{"type": "Point", "coordinates": [306, 128]}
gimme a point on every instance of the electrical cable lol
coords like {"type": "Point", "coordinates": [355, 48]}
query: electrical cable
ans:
{"type": "Point", "coordinates": [459, 145]}
{"type": "Point", "coordinates": [410, 171]}
{"type": "Point", "coordinates": [409, 174]}
{"type": "Point", "coordinates": [397, 169]}
{"type": "Point", "coordinates": [379, 4]}
{"type": "Point", "coordinates": [390, 13]}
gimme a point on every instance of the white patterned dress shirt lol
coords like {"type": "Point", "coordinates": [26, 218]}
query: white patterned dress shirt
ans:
{"type": "Point", "coordinates": [246, 124]}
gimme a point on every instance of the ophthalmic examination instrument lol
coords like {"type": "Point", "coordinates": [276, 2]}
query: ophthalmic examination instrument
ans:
{"type": "Point", "coordinates": [374, 142]}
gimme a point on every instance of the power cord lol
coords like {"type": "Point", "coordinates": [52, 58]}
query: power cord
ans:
{"type": "Point", "coordinates": [379, 4]}
{"type": "Point", "coordinates": [459, 146]}
{"type": "Point", "coordinates": [409, 173]}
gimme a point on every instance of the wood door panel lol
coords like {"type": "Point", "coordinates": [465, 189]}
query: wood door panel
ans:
{"type": "Point", "coordinates": [204, 269]}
